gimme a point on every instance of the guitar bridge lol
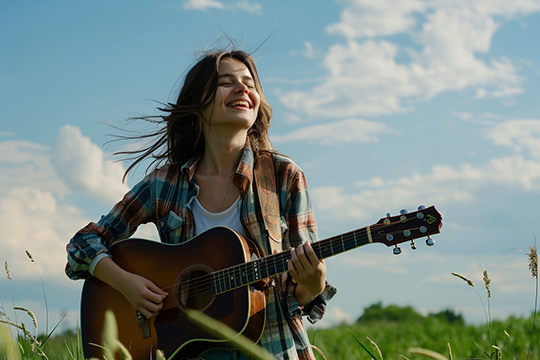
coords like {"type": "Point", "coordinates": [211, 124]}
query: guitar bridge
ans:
{"type": "Point", "coordinates": [143, 323]}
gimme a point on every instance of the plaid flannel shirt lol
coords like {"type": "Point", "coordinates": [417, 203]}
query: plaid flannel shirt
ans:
{"type": "Point", "coordinates": [164, 197]}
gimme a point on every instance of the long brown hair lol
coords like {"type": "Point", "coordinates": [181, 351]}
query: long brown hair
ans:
{"type": "Point", "coordinates": [180, 136]}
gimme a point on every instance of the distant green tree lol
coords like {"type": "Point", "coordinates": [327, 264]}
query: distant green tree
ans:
{"type": "Point", "coordinates": [390, 313]}
{"type": "Point", "coordinates": [449, 316]}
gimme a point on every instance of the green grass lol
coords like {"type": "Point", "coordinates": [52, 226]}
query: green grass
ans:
{"type": "Point", "coordinates": [394, 338]}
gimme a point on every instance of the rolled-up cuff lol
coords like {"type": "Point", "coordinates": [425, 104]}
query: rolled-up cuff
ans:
{"type": "Point", "coordinates": [315, 309]}
{"type": "Point", "coordinates": [94, 262]}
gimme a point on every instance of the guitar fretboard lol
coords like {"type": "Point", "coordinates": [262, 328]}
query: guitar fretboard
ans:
{"type": "Point", "coordinates": [272, 265]}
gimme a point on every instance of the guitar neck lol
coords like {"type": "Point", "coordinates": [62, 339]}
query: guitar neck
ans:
{"type": "Point", "coordinates": [272, 265]}
{"type": "Point", "coordinates": [389, 231]}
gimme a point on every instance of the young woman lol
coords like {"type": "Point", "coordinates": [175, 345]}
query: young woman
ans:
{"type": "Point", "coordinates": [212, 138]}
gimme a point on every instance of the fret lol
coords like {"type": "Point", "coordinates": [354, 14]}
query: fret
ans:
{"type": "Point", "coordinates": [324, 252]}
{"type": "Point", "coordinates": [227, 278]}
{"type": "Point", "coordinates": [217, 281]}
{"type": "Point", "coordinates": [214, 284]}
{"type": "Point", "coordinates": [263, 268]}
{"type": "Point", "coordinates": [250, 274]}
{"type": "Point", "coordinates": [234, 276]}
{"type": "Point", "coordinates": [275, 263]}
{"type": "Point", "coordinates": [270, 266]}
{"type": "Point", "coordinates": [243, 271]}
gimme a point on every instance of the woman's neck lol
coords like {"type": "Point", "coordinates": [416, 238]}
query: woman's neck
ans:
{"type": "Point", "coordinates": [223, 153]}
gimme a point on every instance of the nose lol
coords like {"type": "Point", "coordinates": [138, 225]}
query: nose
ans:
{"type": "Point", "coordinates": [241, 88]}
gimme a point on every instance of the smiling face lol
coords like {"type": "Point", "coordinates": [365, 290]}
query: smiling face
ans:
{"type": "Point", "coordinates": [236, 102]}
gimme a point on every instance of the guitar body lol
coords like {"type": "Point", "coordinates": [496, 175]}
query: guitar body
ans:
{"type": "Point", "coordinates": [184, 271]}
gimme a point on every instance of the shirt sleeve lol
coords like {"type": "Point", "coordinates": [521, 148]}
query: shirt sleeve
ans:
{"type": "Point", "coordinates": [300, 226]}
{"type": "Point", "coordinates": [121, 222]}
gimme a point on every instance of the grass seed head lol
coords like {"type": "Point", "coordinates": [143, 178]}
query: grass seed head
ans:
{"type": "Point", "coordinates": [30, 313]}
{"type": "Point", "coordinates": [7, 271]}
{"type": "Point", "coordinates": [376, 346]}
{"type": "Point", "coordinates": [464, 278]}
{"type": "Point", "coordinates": [496, 353]}
{"type": "Point", "coordinates": [533, 261]}
{"type": "Point", "coordinates": [487, 281]}
{"type": "Point", "coordinates": [29, 256]}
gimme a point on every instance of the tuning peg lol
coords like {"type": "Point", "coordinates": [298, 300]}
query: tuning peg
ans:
{"type": "Point", "coordinates": [397, 250]}
{"type": "Point", "coordinates": [403, 211]}
{"type": "Point", "coordinates": [429, 241]}
{"type": "Point", "coordinates": [413, 245]}
{"type": "Point", "coordinates": [388, 215]}
{"type": "Point", "coordinates": [421, 207]}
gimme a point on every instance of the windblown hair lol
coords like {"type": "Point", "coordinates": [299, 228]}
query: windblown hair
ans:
{"type": "Point", "coordinates": [180, 135]}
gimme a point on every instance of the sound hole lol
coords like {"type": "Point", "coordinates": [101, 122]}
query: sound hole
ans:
{"type": "Point", "coordinates": [193, 288]}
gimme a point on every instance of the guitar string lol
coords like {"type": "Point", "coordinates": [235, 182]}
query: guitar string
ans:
{"type": "Point", "coordinates": [207, 288]}
{"type": "Point", "coordinates": [203, 284]}
{"type": "Point", "coordinates": [224, 276]}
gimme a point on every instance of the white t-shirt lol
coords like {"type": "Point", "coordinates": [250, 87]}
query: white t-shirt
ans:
{"type": "Point", "coordinates": [205, 219]}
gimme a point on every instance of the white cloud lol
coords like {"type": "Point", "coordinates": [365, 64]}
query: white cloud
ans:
{"type": "Point", "coordinates": [378, 18]}
{"type": "Point", "coordinates": [444, 185]}
{"type": "Point", "coordinates": [309, 51]}
{"type": "Point", "coordinates": [34, 215]}
{"type": "Point", "coordinates": [246, 6]}
{"type": "Point", "coordinates": [370, 75]}
{"type": "Point", "coordinates": [520, 135]}
{"type": "Point", "coordinates": [27, 164]}
{"type": "Point", "coordinates": [34, 220]}
{"type": "Point", "coordinates": [335, 316]}
{"type": "Point", "coordinates": [202, 5]}
{"type": "Point", "coordinates": [337, 133]}
{"type": "Point", "coordinates": [84, 167]}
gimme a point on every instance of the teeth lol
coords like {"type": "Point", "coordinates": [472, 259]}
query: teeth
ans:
{"type": "Point", "coordinates": [239, 103]}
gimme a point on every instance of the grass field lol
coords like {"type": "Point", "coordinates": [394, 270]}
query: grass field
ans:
{"type": "Point", "coordinates": [394, 338]}
{"type": "Point", "coordinates": [389, 332]}
{"type": "Point", "coordinates": [393, 334]}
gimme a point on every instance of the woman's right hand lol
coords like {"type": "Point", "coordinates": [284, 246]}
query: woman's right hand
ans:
{"type": "Point", "coordinates": [141, 293]}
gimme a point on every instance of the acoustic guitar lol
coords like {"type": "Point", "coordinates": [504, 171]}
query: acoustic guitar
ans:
{"type": "Point", "coordinates": [216, 273]}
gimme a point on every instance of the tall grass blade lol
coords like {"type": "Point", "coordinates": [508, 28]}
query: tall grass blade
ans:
{"type": "Point", "coordinates": [9, 349]}
{"type": "Point", "coordinates": [427, 353]}
{"type": "Point", "coordinates": [223, 331]}
{"type": "Point", "coordinates": [533, 266]}
{"type": "Point", "coordinates": [364, 347]}
{"type": "Point", "coordinates": [55, 327]}
{"type": "Point", "coordinates": [44, 292]}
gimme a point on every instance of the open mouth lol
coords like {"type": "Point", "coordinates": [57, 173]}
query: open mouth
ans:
{"type": "Point", "coordinates": [242, 104]}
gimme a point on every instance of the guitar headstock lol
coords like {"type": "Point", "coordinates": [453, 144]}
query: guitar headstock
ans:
{"type": "Point", "coordinates": [407, 226]}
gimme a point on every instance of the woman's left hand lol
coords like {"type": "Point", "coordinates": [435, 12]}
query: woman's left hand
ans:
{"type": "Point", "coordinates": [308, 271]}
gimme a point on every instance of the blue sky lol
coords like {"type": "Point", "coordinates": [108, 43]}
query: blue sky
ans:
{"type": "Point", "coordinates": [384, 106]}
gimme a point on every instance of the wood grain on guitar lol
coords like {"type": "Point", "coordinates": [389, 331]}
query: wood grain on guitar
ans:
{"type": "Point", "coordinates": [214, 273]}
